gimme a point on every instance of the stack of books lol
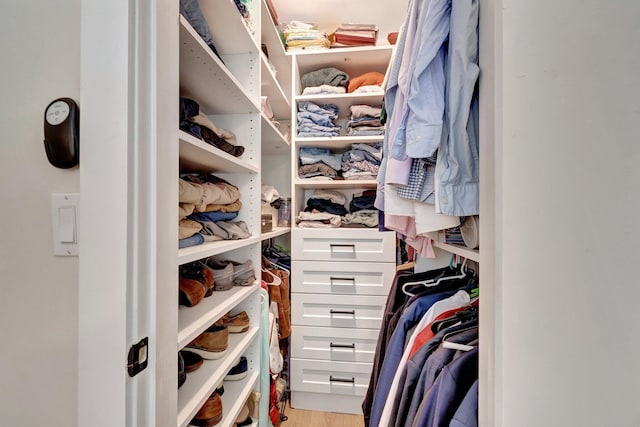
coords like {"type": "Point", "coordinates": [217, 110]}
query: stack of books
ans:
{"type": "Point", "coordinates": [355, 35]}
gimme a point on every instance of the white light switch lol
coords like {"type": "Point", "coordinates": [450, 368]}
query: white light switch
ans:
{"type": "Point", "coordinates": [67, 224]}
{"type": "Point", "coordinates": [64, 217]}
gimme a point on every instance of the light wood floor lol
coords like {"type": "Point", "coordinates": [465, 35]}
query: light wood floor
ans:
{"type": "Point", "coordinates": [304, 418]}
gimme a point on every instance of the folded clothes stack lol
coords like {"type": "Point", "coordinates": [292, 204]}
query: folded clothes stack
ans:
{"type": "Point", "coordinates": [303, 35]}
{"type": "Point", "coordinates": [365, 121]}
{"type": "Point", "coordinates": [207, 210]}
{"type": "Point", "coordinates": [328, 80]}
{"type": "Point", "coordinates": [317, 120]}
{"type": "Point", "coordinates": [197, 124]}
{"type": "Point", "coordinates": [362, 161]}
{"type": "Point", "coordinates": [319, 163]}
{"type": "Point", "coordinates": [369, 82]}
{"type": "Point", "coordinates": [327, 209]}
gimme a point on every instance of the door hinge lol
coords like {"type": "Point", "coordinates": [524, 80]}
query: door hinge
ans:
{"type": "Point", "coordinates": [138, 357]}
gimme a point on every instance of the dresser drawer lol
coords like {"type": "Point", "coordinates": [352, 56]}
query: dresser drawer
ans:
{"type": "Point", "coordinates": [361, 278]}
{"type": "Point", "coordinates": [341, 311]}
{"type": "Point", "coordinates": [342, 245]}
{"type": "Point", "coordinates": [321, 376]}
{"type": "Point", "coordinates": [342, 344]}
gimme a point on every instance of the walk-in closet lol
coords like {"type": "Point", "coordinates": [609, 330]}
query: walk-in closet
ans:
{"type": "Point", "coordinates": [322, 213]}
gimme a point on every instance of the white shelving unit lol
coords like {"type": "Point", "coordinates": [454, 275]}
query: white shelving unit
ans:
{"type": "Point", "coordinates": [228, 90]}
{"type": "Point", "coordinates": [340, 276]}
{"type": "Point", "coordinates": [276, 86]}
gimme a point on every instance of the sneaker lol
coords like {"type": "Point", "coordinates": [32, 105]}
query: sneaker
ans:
{"type": "Point", "coordinates": [249, 422]}
{"type": "Point", "coordinates": [244, 274]}
{"type": "Point", "coordinates": [212, 343]}
{"type": "Point", "coordinates": [239, 370]}
{"type": "Point", "coordinates": [222, 273]}
{"type": "Point", "coordinates": [238, 323]}
{"type": "Point", "coordinates": [210, 413]}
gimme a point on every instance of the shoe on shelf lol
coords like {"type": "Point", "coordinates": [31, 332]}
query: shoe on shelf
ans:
{"type": "Point", "coordinates": [222, 273]}
{"type": "Point", "coordinates": [191, 292]}
{"type": "Point", "coordinates": [244, 274]}
{"type": "Point", "coordinates": [192, 361]}
{"type": "Point", "coordinates": [198, 271]}
{"type": "Point", "coordinates": [220, 388]}
{"type": "Point", "coordinates": [212, 343]}
{"type": "Point", "coordinates": [237, 323]}
{"type": "Point", "coordinates": [249, 422]}
{"type": "Point", "coordinates": [210, 413]}
{"type": "Point", "coordinates": [242, 416]}
{"type": "Point", "coordinates": [239, 370]}
{"type": "Point", "coordinates": [182, 374]}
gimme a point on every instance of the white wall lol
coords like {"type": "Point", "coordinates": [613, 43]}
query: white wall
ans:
{"type": "Point", "coordinates": [39, 304]}
{"type": "Point", "coordinates": [568, 316]}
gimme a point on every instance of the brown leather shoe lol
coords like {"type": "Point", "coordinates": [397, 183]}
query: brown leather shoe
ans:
{"type": "Point", "coordinates": [198, 271]}
{"type": "Point", "coordinates": [212, 343]}
{"type": "Point", "coordinates": [192, 361]}
{"type": "Point", "coordinates": [238, 323]}
{"type": "Point", "coordinates": [211, 412]}
{"type": "Point", "coordinates": [191, 292]}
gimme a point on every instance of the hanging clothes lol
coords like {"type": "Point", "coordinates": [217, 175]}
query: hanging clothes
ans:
{"type": "Point", "coordinates": [429, 175]}
{"type": "Point", "coordinates": [422, 311]}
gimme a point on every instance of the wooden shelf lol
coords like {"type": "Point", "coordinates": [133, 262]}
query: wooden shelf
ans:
{"type": "Point", "coordinates": [202, 382]}
{"type": "Point", "coordinates": [278, 231]}
{"type": "Point", "coordinates": [273, 142]}
{"type": "Point", "coordinates": [192, 321]}
{"type": "Point", "coordinates": [471, 254]}
{"type": "Point", "coordinates": [194, 253]}
{"type": "Point", "coordinates": [204, 78]}
{"type": "Point", "coordinates": [338, 142]}
{"type": "Point", "coordinates": [230, 34]}
{"type": "Point", "coordinates": [270, 87]}
{"type": "Point", "coordinates": [336, 184]}
{"type": "Point", "coordinates": [198, 156]}
{"type": "Point", "coordinates": [277, 54]}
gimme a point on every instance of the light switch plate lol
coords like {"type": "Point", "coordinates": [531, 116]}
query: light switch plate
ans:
{"type": "Point", "coordinates": [65, 212]}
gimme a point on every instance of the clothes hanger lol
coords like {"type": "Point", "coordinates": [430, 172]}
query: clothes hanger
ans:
{"type": "Point", "coordinates": [454, 345]}
{"type": "Point", "coordinates": [271, 279]}
{"type": "Point", "coordinates": [469, 313]}
{"type": "Point", "coordinates": [431, 282]}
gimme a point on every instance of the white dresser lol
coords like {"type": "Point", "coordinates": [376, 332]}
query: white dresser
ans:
{"type": "Point", "coordinates": [340, 281]}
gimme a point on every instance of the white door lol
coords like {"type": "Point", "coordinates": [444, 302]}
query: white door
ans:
{"type": "Point", "coordinates": [127, 261]}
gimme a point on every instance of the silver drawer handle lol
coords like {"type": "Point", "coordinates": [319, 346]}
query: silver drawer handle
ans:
{"type": "Point", "coordinates": [351, 312]}
{"type": "Point", "coordinates": [352, 346]}
{"type": "Point", "coordinates": [342, 380]}
{"type": "Point", "coordinates": [333, 246]}
{"type": "Point", "coordinates": [343, 279]}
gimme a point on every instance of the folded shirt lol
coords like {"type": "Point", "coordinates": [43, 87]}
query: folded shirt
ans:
{"type": "Point", "coordinates": [224, 230]}
{"type": "Point", "coordinates": [330, 110]}
{"type": "Point", "coordinates": [331, 195]}
{"type": "Point", "coordinates": [361, 166]}
{"type": "Point", "coordinates": [185, 209]}
{"type": "Point", "coordinates": [372, 78]}
{"type": "Point", "coordinates": [321, 205]}
{"type": "Point", "coordinates": [316, 169]}
{"type": "Point", "coordinates": [194, 240]}
{"type": "Point", "coordinates": [318, 220]}
{"type": "Point", "coordinates": [362, 110]}
{"type": "Point", "coordinates": [311, 155]}
{"type": "Point", "coordinates": [187, 228]}
{"type": "Point", "coordinates": [371, 89]}
{"type": "Point", "coordinates": [216, 191]}
{"type": "Point", "coordinates": [364, 121]}
{"type": "Point", "coordinates": [323, 89]}
{"type": "Point", "coordinates": [213, 216]}
{"type": "Point", "coordinates": [189, 192]}
{"type": "Point", "coordinates": [366, 218]}
{"type": "Point", "coordinates": [312, 134]}
{"type": "Point", "coordinates": [358, 155]}
{"type": "Point", "coordinates": [328, 75]}
{"type": "Point", "coordinates": [366, 131]}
